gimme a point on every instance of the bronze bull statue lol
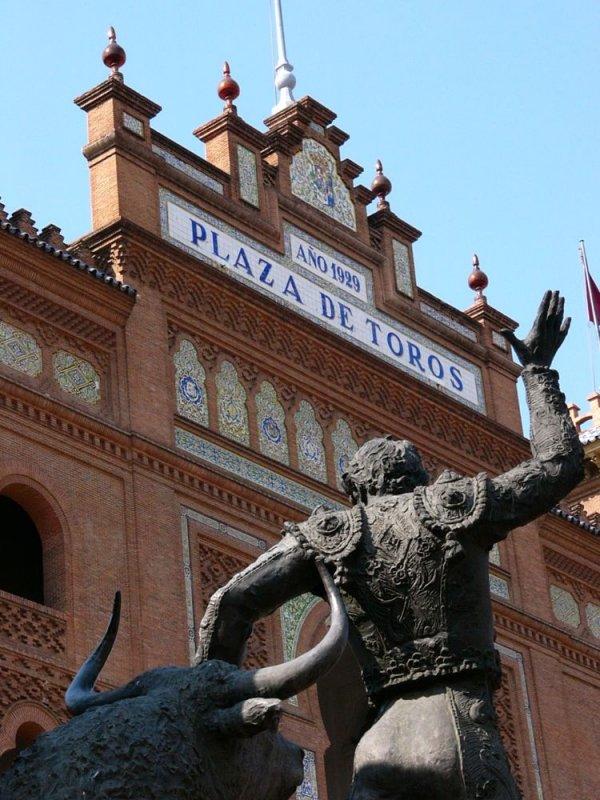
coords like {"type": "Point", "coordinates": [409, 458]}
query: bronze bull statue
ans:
{"type": "Point", "coordinates": [206, 732]}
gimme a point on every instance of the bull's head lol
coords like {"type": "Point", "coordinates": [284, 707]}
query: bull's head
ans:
{"type": "Point", "coordinates": [207, 731]}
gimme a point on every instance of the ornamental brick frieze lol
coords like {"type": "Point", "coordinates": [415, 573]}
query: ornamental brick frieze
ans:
{"type": "Point", "coordinates": [216, 569]}
{"type": "Point", "coordinates": [287, 341]}
{"type": "Point", "coordinates": [506, 711]}
{"type": "Point", "coordinates": [26, 679]}
{"type": "Point", "coordinates": [38, 628]}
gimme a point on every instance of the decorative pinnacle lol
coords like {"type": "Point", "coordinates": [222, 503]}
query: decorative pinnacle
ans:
{"type": "Point", "coordinates": [381, 186]}
{"type": "Point", "coordinates": [285, 80]}
{"type": "Point", "coordinates": [228, 90]}
{"type": "Point", "coordinates": [113, 55]}
{"type": "Point", "coordinates": [478, 280]}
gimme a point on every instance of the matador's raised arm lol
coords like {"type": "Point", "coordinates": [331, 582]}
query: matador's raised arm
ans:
{"type": "Point", "coordinates": [535, 486]}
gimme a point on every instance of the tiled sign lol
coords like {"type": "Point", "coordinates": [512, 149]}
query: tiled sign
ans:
{"type": "Point", "coordinates": [318, 295]}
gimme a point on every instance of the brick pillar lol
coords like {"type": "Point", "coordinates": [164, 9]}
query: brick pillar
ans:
{"type": "Point", "coordinates": [119, 149]}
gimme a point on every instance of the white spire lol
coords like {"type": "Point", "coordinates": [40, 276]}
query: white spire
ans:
{"type": "Point", "coordinates": [285, 80]}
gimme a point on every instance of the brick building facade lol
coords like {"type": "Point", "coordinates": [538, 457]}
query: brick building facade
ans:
{"type": "Point", "coordinates": [197, 370]}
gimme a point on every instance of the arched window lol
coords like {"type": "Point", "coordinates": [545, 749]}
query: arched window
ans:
{"type": "Point", "coordinates": [25, 736]}
{"type": "Point", "coordinates": [21, 556]}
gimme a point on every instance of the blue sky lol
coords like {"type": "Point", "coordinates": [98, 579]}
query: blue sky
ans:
{"type": "Point", "coordinates": [485, 115]}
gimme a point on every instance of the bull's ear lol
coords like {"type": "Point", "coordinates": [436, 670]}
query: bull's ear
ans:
{"type": "Point", "coordinates": [249, 717]}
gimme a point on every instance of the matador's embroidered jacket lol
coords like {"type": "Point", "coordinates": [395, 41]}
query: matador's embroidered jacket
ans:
{"type": "Point", "coordinates": [413, 568]}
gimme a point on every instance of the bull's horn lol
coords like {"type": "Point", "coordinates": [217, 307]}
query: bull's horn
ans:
{"type": "Point", "coordinates": [286, 680]}
{"type": "Point", "coordinates": [81, 694]}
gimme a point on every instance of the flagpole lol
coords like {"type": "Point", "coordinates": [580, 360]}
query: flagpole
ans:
{"type": "Point", "coordinates": [590, 304]}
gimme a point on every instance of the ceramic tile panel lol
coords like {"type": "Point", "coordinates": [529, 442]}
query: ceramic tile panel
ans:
{"type": "Point", "coordinates": [191, 172]}
{"type": "Point", "coordinates": [76, 376]}
{"type": "Point", "coordinates": [19, 350]}
{"type": "Point", "coordinates": [402, 268]}
{"type": "Point", "coordinates": [565, 606]}
{"type": "Point", "coordinates": [190, 384]}
{"type": "Point", "coordinates": [315, 180]}
{"type": "Point", "coordinates": [270, 420]}
{"type": "Point", "coordinates": [499, 340]}
{"type": "Point", "coordinates": [309, 442]}
{"type": "Point", "coordinates": [245, 470]}
{"type": "Point", "coordinates": [344, 447]}
{"type": "Point", "coordinates": [293, 614]}
{"type": "Point", "coordinates": [308, 789]}
{"type": "Point", "coordinates": [592, 616]}
{"type": "Point", "coordinates": [499, 586]}
{"type": "Point", "coordinates": [133, 124]}
{"type": "Point", "coordinates": [448, 321]}
{"type": "Point", "coordinates": [231, 404]}
{"type": "Point", "coordinates": [494, 554]}
{"type": "Point", "coordinates": [248, 175]}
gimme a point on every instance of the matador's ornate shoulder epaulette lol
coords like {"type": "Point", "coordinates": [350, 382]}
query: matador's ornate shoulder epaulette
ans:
{"type": "Point", "coordinates": [452, 503]}
{"type": "Point", "coordinates": [331, 534]}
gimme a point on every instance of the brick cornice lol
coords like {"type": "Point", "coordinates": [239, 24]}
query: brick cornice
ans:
{"type": "Point", "coordinates": [113, 88]}
{"type": "Point", "coordinates": [541, 634]}
{"type": "Point", "coordinates": [25, 304]}
{"type": "Point", "coordinates": [572, 568]}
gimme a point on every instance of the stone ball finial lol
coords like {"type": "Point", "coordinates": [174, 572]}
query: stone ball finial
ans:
{"type": "Point", "coordinates": [228, 90]}
{"type": "Point", "coordinates": [113, 54]}
{"type": "Point", "coordinates": [381, 186]}
{"type": "Point", "coordinates": [477, 280]}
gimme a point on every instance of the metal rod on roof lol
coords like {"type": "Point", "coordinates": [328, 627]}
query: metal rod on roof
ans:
{"type": "Point", "coordinates": [285, 80]}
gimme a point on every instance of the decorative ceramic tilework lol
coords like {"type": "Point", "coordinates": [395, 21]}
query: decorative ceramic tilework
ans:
{"type": "Point", "coordinates": [499, 586]}
{"type": "Point", "coordinates": [247, 175]}
{"type": "Point", "coordinates": [76, 376]}
{"type": "Point", "coordinates": [344, 447]}
{"type": "Point", "coordinates": [245, 470]}
{"type": "Point", "coordinates": [270, 418]}
{"type": "Point", "coordinates": [242, 258]}
{"type": "Point", "coordinates": [133, 124]}
{"type": "Point", "coordinates": [190, 171]}
{"type": "Point", "coordinates": [293, 614]}
{"type": "Point", "coordinates": [564, 606]}
{"type": "Point", "coordinates": [402, 268]}
{"type": "Point", "coordinates": [499, 340]}
{"type": "Point", "coordinates": [448, 321]}
{"type": "Point", "coordinates": [315, 180]}
{"type": "Point", "coordinates": [19, 350]}
{"type": "Point", "coordinates": [494, 554]}
{"type": "Point", "coordinates": [231, 404]}
{"type": "Point", "coordinates": [592, 615]}
{"type": "Point", "coordinates": [190, 386]}
{"type": "Point", "coordinates": [309, 442]}
{"type": "Point", "coordinates": [316, 127]}
{"type": "Point", "coordinates": [308, 789]}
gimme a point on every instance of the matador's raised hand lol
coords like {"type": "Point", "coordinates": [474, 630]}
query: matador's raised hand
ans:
{"type": "Point", "coordinates": [546, 335]}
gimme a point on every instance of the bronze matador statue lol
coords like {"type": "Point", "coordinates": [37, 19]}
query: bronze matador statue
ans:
{"type": "Point", "coordinates": [411, 560]}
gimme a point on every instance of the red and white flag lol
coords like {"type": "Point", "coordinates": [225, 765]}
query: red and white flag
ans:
{"type": "Point", "coordinates": [592, 292]}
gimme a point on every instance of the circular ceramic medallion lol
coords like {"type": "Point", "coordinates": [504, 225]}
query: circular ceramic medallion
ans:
{"type": "Point", "coordinates": [190, 390]}
{"type": "Point", "coordinates": [271, 430]}
{"type": "Point", "coordinates": [310, 449]}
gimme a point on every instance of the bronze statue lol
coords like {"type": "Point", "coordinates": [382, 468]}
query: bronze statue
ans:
{"type": "Point", "coordinates": [411, 560]}
{"type": "Point", "coordinates": [207, 732]}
